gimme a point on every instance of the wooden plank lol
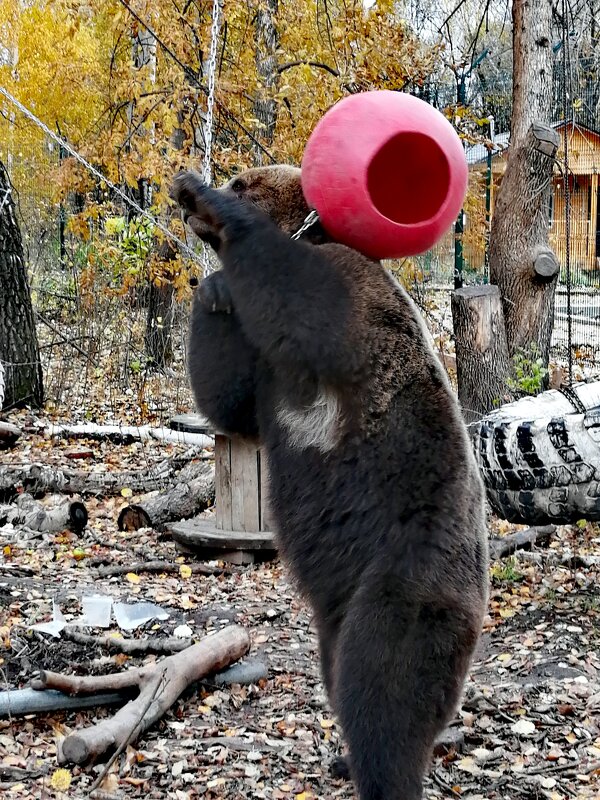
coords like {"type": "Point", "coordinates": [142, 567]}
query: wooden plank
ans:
{"type": "Point", "coordinates": [223, 497]}
{"type": "Point", "coordinates": [265, 523]}
{"type": "Point", "coordinates": [203, 533]}
{"type": "Point", "coordinates": [245, 511]}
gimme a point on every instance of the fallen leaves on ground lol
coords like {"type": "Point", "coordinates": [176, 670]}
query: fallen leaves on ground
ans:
{"type": "Point", "coordinates": [528, 728]}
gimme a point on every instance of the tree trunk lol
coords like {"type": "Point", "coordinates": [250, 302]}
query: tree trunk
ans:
{"type": "Point", "coordinates": [159, 320]}
{"type": "Point", "coordinates": [265, 104]}
{"type": "Point", "coordinates": [521, 262]}
{"type": "Point", "coordinates": [532, 66]}
{"type": "Point", "coordinates": [18, 338]}
{"type": "Point", "coordinates": [481, 351]}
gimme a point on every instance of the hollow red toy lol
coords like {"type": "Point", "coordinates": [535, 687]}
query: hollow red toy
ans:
{"type": "Point", "coordinates": [386, 172]}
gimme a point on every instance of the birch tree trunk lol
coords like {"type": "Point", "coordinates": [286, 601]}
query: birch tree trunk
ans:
{"type": "Point", "coordinates": [19, 351]}
{"type": "Point", "coordinates": [265, 104]}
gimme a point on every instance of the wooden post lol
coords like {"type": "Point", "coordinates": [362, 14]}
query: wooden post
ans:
{"type": "Point", "coordinates": [240, 484]}
{"type": "Point", "coordinates": [593, 221]}
{"type": "Point", "coordinates": [482, 363]}
{"type": "Point", "coordinates": [241, 526]}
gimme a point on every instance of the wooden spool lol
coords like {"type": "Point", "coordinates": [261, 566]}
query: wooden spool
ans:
{"type": "Point", "coordinates": [240, 528]}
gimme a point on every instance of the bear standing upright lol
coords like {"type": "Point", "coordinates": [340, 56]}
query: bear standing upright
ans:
{"type": "Point", "coordinates": [375, 495]}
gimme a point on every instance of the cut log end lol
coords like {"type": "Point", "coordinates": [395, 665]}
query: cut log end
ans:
{"type": "Point", "coordinates": [78, 517]}
{"type": "Point", "coordinates": [9, 435]}
{"type": "Point", "coordinates": [75, 749]}
{"type": "Point", "coordinates": [132, 518]}
{"type": "Point", "coordinates": [546, 265]}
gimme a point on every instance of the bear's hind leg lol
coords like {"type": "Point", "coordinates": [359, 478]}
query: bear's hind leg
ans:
{"type": "Point", "coordinates": [401, 666]}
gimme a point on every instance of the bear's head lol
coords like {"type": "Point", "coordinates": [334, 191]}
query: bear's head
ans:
{"type": "Point", "coordinates": [276, 190]}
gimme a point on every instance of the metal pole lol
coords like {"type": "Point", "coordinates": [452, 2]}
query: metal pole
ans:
{"type": "Point", "coordinates": [459, 224]}
{"type": "Point", "coordinates": [488, 200]}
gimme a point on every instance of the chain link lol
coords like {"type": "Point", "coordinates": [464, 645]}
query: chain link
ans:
{"type": "Point", "coordinates": [311, 219]}
{"type": "Point", "coordinates": [5, 199]}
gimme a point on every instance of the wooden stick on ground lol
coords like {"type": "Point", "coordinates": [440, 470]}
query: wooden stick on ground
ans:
{"type": "Point", "coordinates": [150, 644]}
{"type": "Point", "coordinates": [520, 540]}
{"type": "Point", "coordinates": [160, 685]}
{"type": "Point", "coordinates": [154, 566]}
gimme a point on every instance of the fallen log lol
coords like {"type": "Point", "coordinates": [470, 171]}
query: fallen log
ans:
{"type": "Point", "coordinates": [32, 515]}
{"type": "Point", "coordinates": [159, 687]}
{"type": "Point", "coordinates": [39, 479]}
{"type": "Point", "coordinates": [15, 702]}
{"type": "Point", "coordinates": [126, 434]}
{"type": "Point", "coordinates": [521, 540]}
{"type": "Point", "coordinates": [192, 494]}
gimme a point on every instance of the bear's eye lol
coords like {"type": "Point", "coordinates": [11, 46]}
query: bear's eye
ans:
{"type": "Point", "coordinates": [238, 185]}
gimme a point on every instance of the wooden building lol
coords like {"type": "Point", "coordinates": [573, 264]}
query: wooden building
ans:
{"type": "Point", "coordinates": [584, 168]}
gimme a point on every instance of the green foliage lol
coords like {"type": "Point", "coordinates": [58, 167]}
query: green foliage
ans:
{"type": "Point", "coordinates": [134, 240]}
{"type": "Point", "coordinates": [506, 572]}
{"type": "Point", "coordinates": [529, 371]}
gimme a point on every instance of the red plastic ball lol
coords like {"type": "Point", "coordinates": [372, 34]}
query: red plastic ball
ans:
{"type": "Point", "coordinates": [386, 172]}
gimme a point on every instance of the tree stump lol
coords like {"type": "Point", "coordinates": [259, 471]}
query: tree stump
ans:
{"type": "Point", "coordinates": [482, 363]}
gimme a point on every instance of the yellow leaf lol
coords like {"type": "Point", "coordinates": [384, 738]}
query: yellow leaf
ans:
{"type": "Point", "coordinates": [132, 577]}
{"type": "Point", "coordinates": [506, 613]}
{"type": "Point", "coordinates": [185, 571]}
{"type": "Point", "coordinates": [61, 780]}
{"type": "Point", "coordinates": [110, 784]}
{"type": "Point", "coordinates": [126, 492]}
{"type": "Point", "coordinates": [327, 723]}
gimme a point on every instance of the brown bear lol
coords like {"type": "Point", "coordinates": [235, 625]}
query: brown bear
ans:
{"type": "Point", "coordinates": [375, 496]}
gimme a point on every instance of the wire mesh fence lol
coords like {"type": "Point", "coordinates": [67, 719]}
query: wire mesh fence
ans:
{"type": "Point", "coordinates": [92, 279]}
{"type": "Point", "coordinates": [91, 272]}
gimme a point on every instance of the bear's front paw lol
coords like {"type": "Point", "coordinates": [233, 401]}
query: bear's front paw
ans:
{"type": "Point", "coordinates": [214, 294]}
{"type": "Point", "coordinates": [199, 213]}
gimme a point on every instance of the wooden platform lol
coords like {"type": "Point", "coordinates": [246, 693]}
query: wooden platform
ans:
{"type": "Point", "coordinates": [238, 547]}
{"type": "Point", "coordinates": [202, 532]}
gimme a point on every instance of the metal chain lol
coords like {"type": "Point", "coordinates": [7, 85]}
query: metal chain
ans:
{"type": "Point", "coordinates": [208, 264]}
{"type": "Point", "coordinates": [113, 187]}
{"type": "Point", "coordinates": [5, 199]}
{"type": "Point", "coordinates": [210, 102]}
{"type": "Point", "coordinates": [311, 219]}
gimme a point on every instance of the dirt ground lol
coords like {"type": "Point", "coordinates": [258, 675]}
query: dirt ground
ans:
{"type": "Point", "coordinates": [529, 726]}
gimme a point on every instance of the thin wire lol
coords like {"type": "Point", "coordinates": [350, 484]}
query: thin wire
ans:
{"type": "Point", "coordinates": [565, 68]}
{"type": "Point", "coordinates": [71, 150]}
